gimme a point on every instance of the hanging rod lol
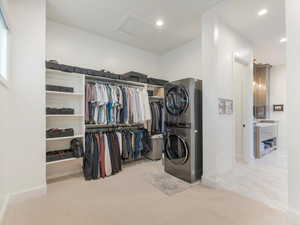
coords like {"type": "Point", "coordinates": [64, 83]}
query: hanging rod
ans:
{"type": "Point", "coordinates": [91, 126]}
{"type": "Point", "coordinates": [104, 79]}
{"type": "Point", "coordinates": [95, 130]}
{"type": "Point", "coordinates": [155, 86]}
{"type": "Point", "coordinates": [156, 99]}
{"type": "Point", "coordinates": [114, 84]}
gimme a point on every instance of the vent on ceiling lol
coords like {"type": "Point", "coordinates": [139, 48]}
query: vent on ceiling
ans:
{"type": "Point", "coordinates": [135, 27]}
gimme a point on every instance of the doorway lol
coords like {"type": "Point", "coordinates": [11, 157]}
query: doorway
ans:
{"type": "Point", "coordinates": [241, 75]}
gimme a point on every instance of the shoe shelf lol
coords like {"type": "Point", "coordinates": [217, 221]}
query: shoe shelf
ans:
{"type": "Point", "coordinates": [62, 115]}
{"type": "Point", "coordinates": [64, 138]}
{"type": "Point", "coordinates": [74, 100]}
{"type": "Point", "coordinates": [64, 93]}
{"type": "Point", "coordinates": [62, 160]}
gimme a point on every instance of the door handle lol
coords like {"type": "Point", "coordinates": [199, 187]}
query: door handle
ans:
{"type": "Point", "coordinates": [244, 125]}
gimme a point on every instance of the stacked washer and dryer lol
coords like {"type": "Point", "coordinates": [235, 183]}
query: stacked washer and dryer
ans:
{"type": "Point", "coordinates": [183, 125]}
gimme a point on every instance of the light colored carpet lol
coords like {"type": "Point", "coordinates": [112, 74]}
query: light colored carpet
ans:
{"type": "Point", "coordinates": [129, 198]}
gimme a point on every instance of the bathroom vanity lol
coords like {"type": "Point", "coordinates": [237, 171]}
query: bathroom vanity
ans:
{"type": "Point", "coordinates": [265, 137]}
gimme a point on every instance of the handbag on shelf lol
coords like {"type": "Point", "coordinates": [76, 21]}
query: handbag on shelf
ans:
{"type": "Point", "coordinates": [57, 88]}
{"type": "Point", "coordinates": [59, 155]}
{"type": "Point", "coordinates": [59, 111]}
{"type": "Point", "coordinates": [155, 81]}
{"type": "Point", "coordinates": [77, 148]}
{"type": "Point", "coordinates": [134, 76]}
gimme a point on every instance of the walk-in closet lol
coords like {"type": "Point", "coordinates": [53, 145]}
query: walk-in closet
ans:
{"type": "Point", "coordinates": [96, 122]}
{"type": "Point", "coordinates": [149, 112]}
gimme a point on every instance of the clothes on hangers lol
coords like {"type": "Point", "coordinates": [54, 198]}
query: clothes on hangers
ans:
{"type": "Point", "coordinates": [115, 104]}
{"type": "Point", "coordinates": [105, 151]}
{"type": "Point", "coordinates": [157, 117]}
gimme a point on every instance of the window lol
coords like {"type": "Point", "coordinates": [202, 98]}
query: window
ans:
{"type": "Point", "coordinates": [3, 47]}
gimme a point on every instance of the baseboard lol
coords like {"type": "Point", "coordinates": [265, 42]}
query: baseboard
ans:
{"type": "Point", "coordinates": [3, 208]}
{"type": "Point", "coordinates": [293, 217]}
{"type": "Point", "coordinates": [209, 181]}
{"type": "Point", "coordinates": [27, 194]}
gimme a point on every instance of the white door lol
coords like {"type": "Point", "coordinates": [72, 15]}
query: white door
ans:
{"type": "Point", "coordinates": [240, 72]}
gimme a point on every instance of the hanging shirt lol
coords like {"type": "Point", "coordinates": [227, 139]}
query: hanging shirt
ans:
{"type": "Point", "coordinates": [108, 168]}
{"type": "Point", "coordinates": [146, 105]}
{"type": "Point", "coordinates": [119, 134]}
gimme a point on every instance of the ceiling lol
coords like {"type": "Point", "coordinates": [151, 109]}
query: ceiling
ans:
{"type": "Point", "coordinates": [264, 32]}
{"type": "Point", "coordinates": [133, 21]}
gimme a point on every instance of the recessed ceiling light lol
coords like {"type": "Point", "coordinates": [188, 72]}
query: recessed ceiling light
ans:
{"type": "Point", "coordinates": [283, 40]}
{"type": "Point", "coordinates": [159, 23]}
{"type": "Point", "coordinates": [262, 12]}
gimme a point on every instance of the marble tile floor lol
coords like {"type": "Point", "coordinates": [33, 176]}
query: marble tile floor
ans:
{"type": "Point", "coordinates": [264, 180]}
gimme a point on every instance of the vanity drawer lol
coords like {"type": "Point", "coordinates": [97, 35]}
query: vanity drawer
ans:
{"type": "Point", "coordinates": [267, 133]}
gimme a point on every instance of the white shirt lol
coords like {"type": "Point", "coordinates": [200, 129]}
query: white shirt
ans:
{"type": "Point", "coordinates": [108, 169]}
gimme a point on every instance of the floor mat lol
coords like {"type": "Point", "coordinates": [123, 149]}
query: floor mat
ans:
{"type": "Point", "coordinates": [166, 183]}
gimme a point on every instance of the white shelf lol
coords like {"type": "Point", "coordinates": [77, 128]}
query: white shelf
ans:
{"type": "Point", "coordinates": [61, 115]}
{"type": "Point", "coordinates": [62, 160]}
{"type": "Point", "coordinates": [50, 72]}
{"type": "Point", "coordinates": [156, 97]}
{"type": "Point", "coordinates": [64, 93]}
{"type": "Point", "coordinates": [74, 100]}
{"type": "Point", "coordinates": [64, 138]}
{"type": "Point", "coordinates": [155, 86]}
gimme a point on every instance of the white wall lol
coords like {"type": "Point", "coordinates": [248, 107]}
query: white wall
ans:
{"type": "Point", "coordinates": [3, 127]}
{"type": "Point", "coordinates": [76, 47]}
{"type": "Point", "coordinates": [266, 53]}
{"type": "Point", "coordinates": [210, 58]}
{"type": "Point", "coordinates": [3, 115]}
{"type": "Point", "coordinates": [219, 43]}
{"type": "Point", "coordinates": [293, 110]}
{"type": "Point", "coordinates": [182, 62]}
{"type": "Point", "coordinates": [278, 92]}
{"type": "Point", "coordinates": [22, 130]}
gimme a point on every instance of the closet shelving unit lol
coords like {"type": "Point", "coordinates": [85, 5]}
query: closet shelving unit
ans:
{"type": "Point", "coordinates": [76, 100]}
{"type": "Point", "coordinates": [158, 96]}
{"type": "Point", "coordinates": [73, 100]}
{"type": "Point", "coordinates": [158, 92]}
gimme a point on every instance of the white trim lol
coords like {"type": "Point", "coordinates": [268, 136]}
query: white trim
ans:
{"type": "Point", "coordinates": [21, 196]}
{"type": "Point", "coordinates": [293, 216]}
{"type": "Point", "coordinates": [3, 81]}
{"type": "Point", "coordinates": [242, 58]}
{"type": "Point", "coordinates": [27, 194]}
{"type": "Point", "coordinates": [3, 208]}
{"type": "Point", "coordinates": [3, 11]}
{"type": "Point", "coordinates": [210, 182]}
